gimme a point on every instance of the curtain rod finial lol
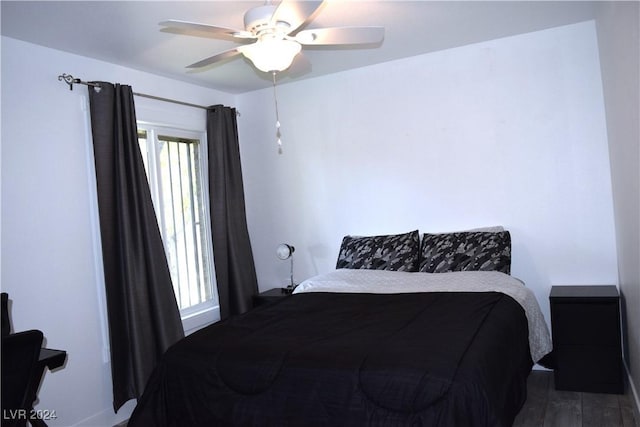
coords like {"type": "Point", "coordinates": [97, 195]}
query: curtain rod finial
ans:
{"type": "Point", "coordinates": [68, 79]}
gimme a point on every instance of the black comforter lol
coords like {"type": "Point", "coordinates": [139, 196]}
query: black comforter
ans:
{"type": "Point", "coordinates": [323, 359]}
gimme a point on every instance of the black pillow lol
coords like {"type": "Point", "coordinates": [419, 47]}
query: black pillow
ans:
{"type": "Point", "coordinates": [398, 252]}
{"type": "Point", "coordinates": [466, 251]}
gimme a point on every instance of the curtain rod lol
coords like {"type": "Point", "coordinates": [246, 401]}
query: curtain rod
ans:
{"type": "Point", "coordinates": [70, 80]}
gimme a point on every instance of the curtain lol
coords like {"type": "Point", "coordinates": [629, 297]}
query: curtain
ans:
{"type": "Point", "coordinates": [143, 315]}
{"type": "Point", "coordinates": [233, 258]}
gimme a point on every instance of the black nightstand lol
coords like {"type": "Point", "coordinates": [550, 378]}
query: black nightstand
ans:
{"type": "Point", "coordinates": [585, 323]}
{"type": "Point", "coordinates": [269, 296]}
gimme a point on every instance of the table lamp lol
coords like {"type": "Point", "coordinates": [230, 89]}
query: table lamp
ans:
{"type": "Point", "coordinates": [285, 251]}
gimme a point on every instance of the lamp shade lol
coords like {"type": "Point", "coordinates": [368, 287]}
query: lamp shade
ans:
{"type": "Point", "coordinates": [271, 54]}
{"type": "Point", "coordinates": [284, 251]}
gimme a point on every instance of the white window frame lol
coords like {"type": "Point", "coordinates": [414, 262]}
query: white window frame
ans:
{"type": "Point", "coordinates": [205, 313]}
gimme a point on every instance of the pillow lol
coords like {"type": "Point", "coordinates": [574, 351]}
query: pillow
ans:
{"type": "Point", "coordinates": [466, 251]}
{"type": "Point", "coordinates": [398, 252]}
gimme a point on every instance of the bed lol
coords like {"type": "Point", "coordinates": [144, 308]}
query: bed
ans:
{"type": "Point", "coordinates": [356, 347]}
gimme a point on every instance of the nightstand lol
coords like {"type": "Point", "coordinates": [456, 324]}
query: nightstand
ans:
{"type": "Point", "coordinates": [269, 296]}
{"type": "Point", "coordinates": [585, 324]}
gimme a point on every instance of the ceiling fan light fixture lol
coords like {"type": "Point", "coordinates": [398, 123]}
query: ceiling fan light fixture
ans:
{"type": "Point", "coordinates": [271, 54]}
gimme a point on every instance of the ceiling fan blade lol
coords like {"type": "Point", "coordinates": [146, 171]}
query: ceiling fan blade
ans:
{"type": "Point", "coordinates": [340, 35]}
{"type": "Point", "coordinates": [215, 58]}
{"type": "Point", "coordinates": [202, 30]}
{"type": "Point", "coordinates": [295, 13]}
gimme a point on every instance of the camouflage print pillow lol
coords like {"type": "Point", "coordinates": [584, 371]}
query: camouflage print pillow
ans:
{"type": "Point", "coordinates": [398, 252]}
{"type": "Point", "coordinates": [466, 251]}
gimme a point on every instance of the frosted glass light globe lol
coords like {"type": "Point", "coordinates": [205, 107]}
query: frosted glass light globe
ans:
{"type": "Point", "coordinates": [271, 54]}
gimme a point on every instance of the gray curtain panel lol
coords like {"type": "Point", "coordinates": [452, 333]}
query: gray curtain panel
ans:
{"type": "Point", "coordinates": [233, 258]}
{"type": "Point", "coordinates": [144, 319]}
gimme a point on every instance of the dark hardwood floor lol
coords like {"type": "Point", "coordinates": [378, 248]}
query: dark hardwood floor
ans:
{"type": "Point", "coordinates": [547, 407]}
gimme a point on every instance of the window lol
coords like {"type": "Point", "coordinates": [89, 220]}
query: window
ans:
{"type": "Point", "coordinates": [175, 163]}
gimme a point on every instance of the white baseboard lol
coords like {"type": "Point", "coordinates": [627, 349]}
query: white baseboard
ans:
{"type": "Point", "coordinates": [635, 397]}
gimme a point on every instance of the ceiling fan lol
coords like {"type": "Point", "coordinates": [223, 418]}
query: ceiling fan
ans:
{"type": "Point", "coordinates": [276, 34]}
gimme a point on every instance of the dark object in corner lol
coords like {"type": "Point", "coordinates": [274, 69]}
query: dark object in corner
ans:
{"type": "Point", "coordinates": [20, 354]}
{"type": "Point", "coordinates": [6, 325]}
{"type": "Point", "coordinates": [23, 364]}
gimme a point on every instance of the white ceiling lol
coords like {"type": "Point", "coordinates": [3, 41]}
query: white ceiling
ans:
{"type": "Point", "coordinates": [127, 32]}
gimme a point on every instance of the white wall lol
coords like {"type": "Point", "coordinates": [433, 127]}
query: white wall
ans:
{"type": "Point", "coordinates": [508, 132]}
{"type": "Point", "coordinates": [51, 265]}
{"type": "Point", "coordinates": [619, 41]}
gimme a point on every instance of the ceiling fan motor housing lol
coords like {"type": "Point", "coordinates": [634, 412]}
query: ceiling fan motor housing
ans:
{"type": "Point", "coordinates": [258, 19]}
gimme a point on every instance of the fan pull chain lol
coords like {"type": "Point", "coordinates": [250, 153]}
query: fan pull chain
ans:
{"type": "Point", "coordinates": [275, 100]}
